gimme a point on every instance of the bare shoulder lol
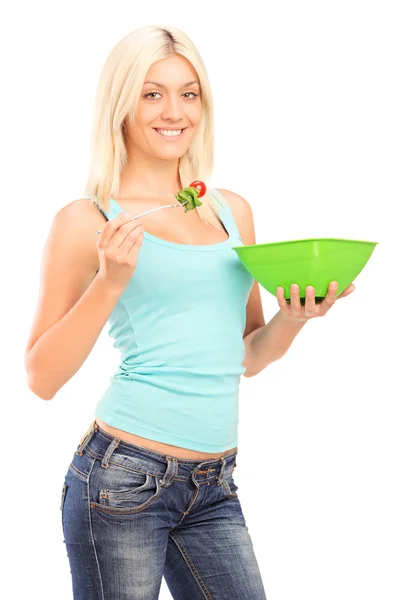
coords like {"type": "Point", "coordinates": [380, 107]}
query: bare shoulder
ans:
{"type": "Point", "coordinates": [242, 213]}
{"type": "Point", "coordinates": [78, 221]}
{"type": "Point", "coordinates": [82, 212]}
{"type": "Point", "coordinates": [234, 199]}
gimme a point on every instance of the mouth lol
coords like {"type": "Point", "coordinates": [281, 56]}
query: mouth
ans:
{"type": "Point", "coordinates": [170, 134]}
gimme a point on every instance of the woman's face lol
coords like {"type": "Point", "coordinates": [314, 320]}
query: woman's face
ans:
{"type": "Point", "coordinates": [170, 99]}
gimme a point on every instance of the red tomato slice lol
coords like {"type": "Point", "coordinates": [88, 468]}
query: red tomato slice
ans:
{"type": "Point", "coordinates": [199, 185]}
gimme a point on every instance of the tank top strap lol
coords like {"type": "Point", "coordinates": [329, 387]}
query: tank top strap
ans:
{"type": "Point", "coordinates": [106, 215]}
{"type": "Point", "coordinates": [225, 213]}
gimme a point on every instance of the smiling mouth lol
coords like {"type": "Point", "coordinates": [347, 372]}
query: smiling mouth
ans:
{"type": "Point", "coordinates": [181, 129]}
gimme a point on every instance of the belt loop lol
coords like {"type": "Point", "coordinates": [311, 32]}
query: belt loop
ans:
{"type": "Point", "coordinates": [110, 449]}
{"type": "Point", "coordinates": [87, 437]}
{"type": "Point", "coordinates": [170, 472]}
{"type": "Point", "coordinates": [220, 477]}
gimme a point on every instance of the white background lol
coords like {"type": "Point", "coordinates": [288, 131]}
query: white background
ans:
{"type": "Point", "coordinates": [307, 103]}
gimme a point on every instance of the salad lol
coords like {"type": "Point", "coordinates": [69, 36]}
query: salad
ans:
{"type": "Point", "coordinates": [191, 195]}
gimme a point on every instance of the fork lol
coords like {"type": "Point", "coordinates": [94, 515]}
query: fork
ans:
{"type": "Point", "coordinates": [152, 210]}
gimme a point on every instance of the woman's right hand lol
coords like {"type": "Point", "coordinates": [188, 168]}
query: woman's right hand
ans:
{"type": "Point", "coordinates": [118, 248]}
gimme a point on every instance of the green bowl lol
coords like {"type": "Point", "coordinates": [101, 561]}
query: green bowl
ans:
{"type": "Point", "coordinates": [315, 262]}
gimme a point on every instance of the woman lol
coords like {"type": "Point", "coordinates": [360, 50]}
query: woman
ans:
{"type": "Point", "coordinates": [150, 490]}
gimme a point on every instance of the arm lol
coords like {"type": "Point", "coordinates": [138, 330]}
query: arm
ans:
{"type": "Point", "coordinates": [73, 305]}
{"type": "Point", "coordinates": [264, 343]}
{"type": "Point", "coordinates": [269, 343]}
{"type": "Point", "coordinates": [272, 341]}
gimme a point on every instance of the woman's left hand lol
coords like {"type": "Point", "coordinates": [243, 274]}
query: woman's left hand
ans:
{"type": "Point", "coordinates": [300, 314]}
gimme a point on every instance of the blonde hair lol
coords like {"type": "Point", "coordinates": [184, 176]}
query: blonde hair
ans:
{"type": "Point", "coordinates": [118, 92]}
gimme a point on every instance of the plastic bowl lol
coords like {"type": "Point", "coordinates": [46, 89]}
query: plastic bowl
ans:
{"type": "Point", "coordinates": [315, 262]}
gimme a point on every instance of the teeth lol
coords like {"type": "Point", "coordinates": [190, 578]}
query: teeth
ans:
{"type": "Point", "coordinates": [169, 132]}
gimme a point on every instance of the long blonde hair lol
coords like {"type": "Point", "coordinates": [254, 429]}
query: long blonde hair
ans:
{"type": "Point", "coordinates": [118, 92]}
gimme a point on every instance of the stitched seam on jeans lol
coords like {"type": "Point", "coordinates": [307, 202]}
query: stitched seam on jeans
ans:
{"type": "Point", "coordinates": [83, 476]}
{"type": "Point", "coordinates": [91, 531]}
{"type": "Point", "coordinates": [191, 566]}
{"type": "Point", "coordinates": [179, 478]}
{"type": "Point", "coordinates": [123, 444]}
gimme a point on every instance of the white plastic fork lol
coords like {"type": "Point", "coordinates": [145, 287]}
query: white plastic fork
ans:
{"type": "Point", "coordinates": [153, 209]}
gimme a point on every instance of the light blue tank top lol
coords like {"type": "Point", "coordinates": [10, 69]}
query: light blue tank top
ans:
{"type": "Point", "coordinates": [179, 327]}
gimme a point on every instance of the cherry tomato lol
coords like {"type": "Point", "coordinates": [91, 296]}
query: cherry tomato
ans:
{"type": "Point", "coordinates": [199, 185]}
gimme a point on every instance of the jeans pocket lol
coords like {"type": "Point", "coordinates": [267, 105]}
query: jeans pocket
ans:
{"type": "Point", "coordinates": [122, 491]}
{"type": "Point", "coordinates": [63, 494]}
{"type": "Point", "coordinates": [230, 486]}
{"type": "Point", "coordinates": [64, 491]}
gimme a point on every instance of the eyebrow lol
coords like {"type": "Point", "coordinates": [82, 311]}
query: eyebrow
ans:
{"type": "Point", "coordinates": [163, 86]}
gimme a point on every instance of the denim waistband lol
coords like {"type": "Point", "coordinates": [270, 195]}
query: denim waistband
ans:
{"type": "Point", "coordinates": [100, 444]}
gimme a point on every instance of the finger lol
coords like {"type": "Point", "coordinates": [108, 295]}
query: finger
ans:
{"type": "Point", "coordinates": [132, 240]}
{"type": "Point", "coordinates": [295, 300]}
{"type": "Point", "coordinates": [310, 309]}
{"type": "Point", "coordinates": [283, 305]}
{"type": "Point", "coordinates": [110, 229]}
{"type": "Point", "coordinates": [347, 291]}
{"type": "Point", "coordinates": [124, 229]}
{"type": "Point", "coordinates": [329, 299]}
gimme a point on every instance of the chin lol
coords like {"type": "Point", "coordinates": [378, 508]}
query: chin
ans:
{"type": "Point", "coordinates": [169, 155]}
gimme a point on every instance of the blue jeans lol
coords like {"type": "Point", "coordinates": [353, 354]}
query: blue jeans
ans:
{"type": "Point", "coordinates": [131, 516]}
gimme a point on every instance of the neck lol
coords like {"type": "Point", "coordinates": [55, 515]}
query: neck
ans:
{"type": "Point", "coordinates": [150, 177]}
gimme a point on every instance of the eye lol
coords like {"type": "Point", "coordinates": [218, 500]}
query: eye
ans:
{"type": "Point", "coordinates": [193, 94]}
{"type": "Point", "coordinates": [151, 93]}
{"type": "Point", "coordinates": [155, 93]}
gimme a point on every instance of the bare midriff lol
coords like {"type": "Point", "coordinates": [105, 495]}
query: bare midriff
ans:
{"type": "Point", "coordinates": [167, 449]}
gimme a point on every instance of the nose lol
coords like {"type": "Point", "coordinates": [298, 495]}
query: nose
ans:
{"type": "Point", "coordinates": [172, 108]}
